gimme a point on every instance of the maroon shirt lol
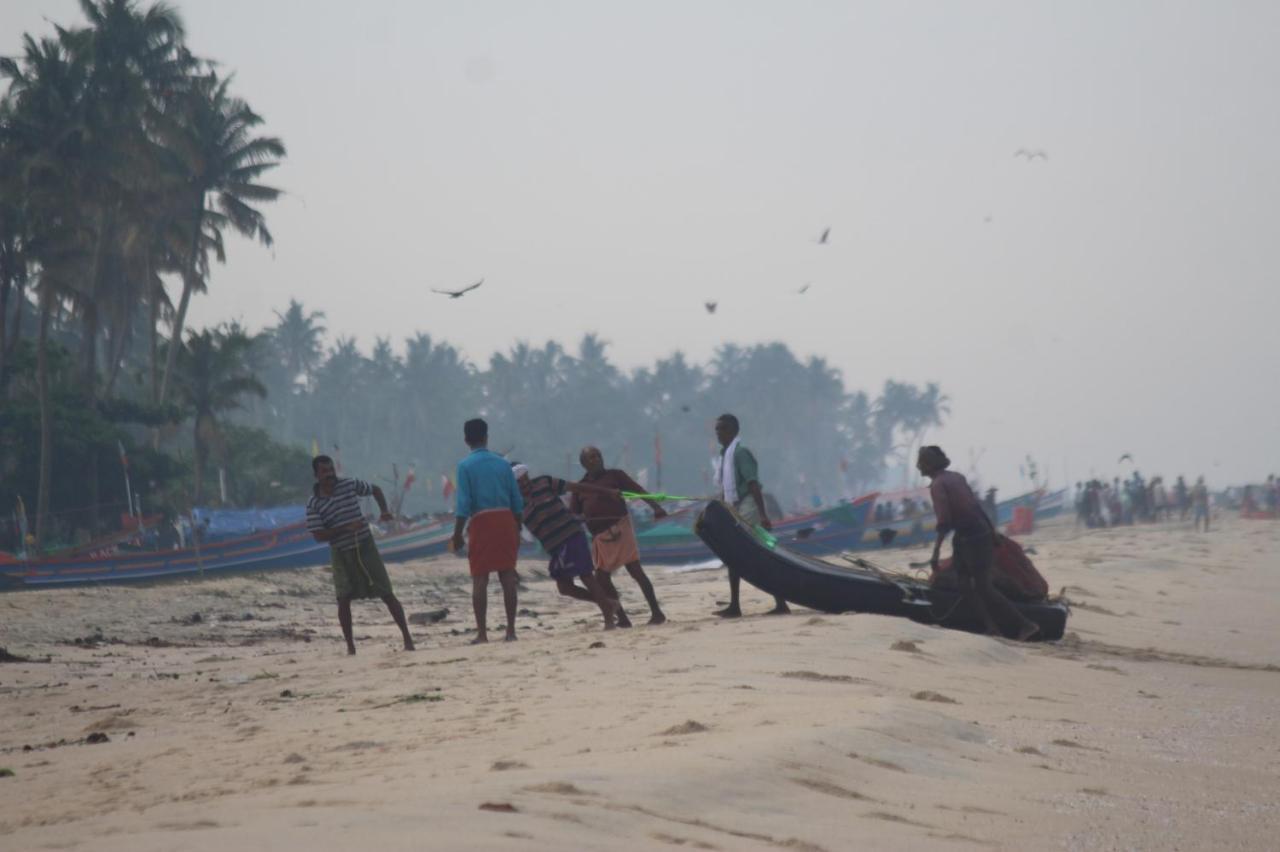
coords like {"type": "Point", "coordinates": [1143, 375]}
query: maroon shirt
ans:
{"type": "Point", "coordinates": [956, 506]}
{"type": "Point", "coordinates": [602, 511]}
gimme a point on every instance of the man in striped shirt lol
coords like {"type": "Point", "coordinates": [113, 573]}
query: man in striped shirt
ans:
{"type": "Point", "coordinates": [334, 516]}
{"type": "Point", "coordinates": [560, 532]}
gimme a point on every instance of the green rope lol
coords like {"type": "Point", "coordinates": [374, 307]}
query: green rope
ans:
{"type": "Point", "coordinates": [656, 495]}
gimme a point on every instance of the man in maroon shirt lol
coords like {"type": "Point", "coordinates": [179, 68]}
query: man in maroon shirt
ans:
{"type": "Point", "coordinates": [972, 547]}
{"type": "Point", "coordinates": [613, 539]}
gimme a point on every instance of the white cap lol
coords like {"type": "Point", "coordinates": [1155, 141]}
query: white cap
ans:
{"type": "Point", "coordinates": [520, 470]}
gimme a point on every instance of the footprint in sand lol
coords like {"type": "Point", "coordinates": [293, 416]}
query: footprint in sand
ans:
{"type": "Point", "coordinates": [689, 727]}
{"type": "Point", "coordinates": [829, 789]}
{"type": "Point", "coordinates": [817, 676]}
{"type": "Point", "coordinates": [877, 762]}
{"type": "Point", "coordinates": [504, 765]}
{"type": "Point", "coordinates": [559, 788]}
{"type": "Point", "coordinates": [906, 645]}
{"type": "Point", "coordinates": [930, 695]}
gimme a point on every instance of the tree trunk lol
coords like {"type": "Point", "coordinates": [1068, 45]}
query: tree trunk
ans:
{"type": "Point", "coordinates": [188, 285]}
{"type": "Point", "coordinates": [201, 454]}
{"type": "Point", "coordinates": [46, 416]}
{"type": "Point", "coordinates": [154, 340]}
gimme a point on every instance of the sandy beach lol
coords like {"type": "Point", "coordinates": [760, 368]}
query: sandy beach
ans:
{"type": "Point", "coordinates": [233, 719]}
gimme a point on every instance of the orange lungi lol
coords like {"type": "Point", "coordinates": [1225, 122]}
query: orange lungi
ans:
{"type": "Point", "coordinates": [615, 547]}
{"type": "Point", "coordinates": [493, 540]}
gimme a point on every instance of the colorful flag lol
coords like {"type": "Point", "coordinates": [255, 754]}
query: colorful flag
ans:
{"type": "Point", "coordinates": [446, 486]}
{"type": "Point", "coordinates": [409, 478]}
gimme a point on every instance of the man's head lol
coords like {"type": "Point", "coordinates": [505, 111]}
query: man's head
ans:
{"type": "Point", "coordinates": [521, 473]}
{"type": "Point", "coordinates": [322, 467]}
{"type": "Point", "coordinates": [932, 460]}
{"type": "Point", "coordinates": [475, 432]}
{"type": "Point", "coordinates": [726, 429]}
{"type": "Point", "coordinates": [592, 459]}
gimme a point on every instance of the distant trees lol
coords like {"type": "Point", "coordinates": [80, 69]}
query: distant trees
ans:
{"type": "Point", "coordinates": [123, 158]}
{"type": "Point", "coordinates": [814, 437]}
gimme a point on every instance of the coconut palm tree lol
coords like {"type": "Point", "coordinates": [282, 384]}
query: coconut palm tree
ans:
{"type": "Point", "coordinates": [222, 160]}
{"type": "Point", "coordinates": [210, 380]}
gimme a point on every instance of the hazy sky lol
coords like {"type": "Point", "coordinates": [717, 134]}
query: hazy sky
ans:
{"type": "Point", "coordinates": [608, 167]}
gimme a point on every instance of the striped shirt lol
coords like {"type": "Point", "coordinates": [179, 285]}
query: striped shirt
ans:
{"type": "Point", "coordinates": [339, 508]}
{"type": "Point", "coordinates": [545, 514]}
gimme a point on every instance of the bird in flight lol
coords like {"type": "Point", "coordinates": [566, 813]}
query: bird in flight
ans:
{"type": "Point", "coordinates": [1124, 458]}
{"type": "Point", "coordinates": [458, 294]}
{"type": "Point", "coordinates": [711, 306]}
{"type": "Point", "coordinates": [1031, 155]}
{"type": "Point", "coordinates": [826, 235]}
{"type": "Point", "coordinates": [805, 288]}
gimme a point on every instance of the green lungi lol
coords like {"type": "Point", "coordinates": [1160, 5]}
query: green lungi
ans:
{"type": "Point", "coordinates": [358, 571]}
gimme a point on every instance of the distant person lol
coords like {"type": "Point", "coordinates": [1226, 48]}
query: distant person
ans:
{"type": "Point", "coordinates": [558, 530]}
{"type": "Point", "coordinates": [334, 516]}
{"type": "Point", "coordinates": [1200, 504]}
{"type": "Point", "coordinates": [1181, 497]}
{"type": "Point", "coordinates": [972, 545]}
{"type": "Point", "coordinates": [488, 506]}
{"type": "Point", "coordinates": [613, 537]}
{"type": "Point", "coordinates": [737, 482]}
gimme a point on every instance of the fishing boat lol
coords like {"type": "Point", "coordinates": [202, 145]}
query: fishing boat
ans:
{"type": "Point", "coordinates": [773, 567]}
{"type": "Point", "coordinates": [831, 530]}
{"type": "Point", "coordinates": [287, 547]}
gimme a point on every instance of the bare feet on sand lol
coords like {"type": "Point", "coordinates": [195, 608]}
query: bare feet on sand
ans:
{"type": "Point", "coordinates": [657, 618]}
{"type": "Point", "coordinates": [729, 612]}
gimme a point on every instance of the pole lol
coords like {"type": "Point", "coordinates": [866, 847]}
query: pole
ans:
{"type": "Point", "coordinates": [128, 489]}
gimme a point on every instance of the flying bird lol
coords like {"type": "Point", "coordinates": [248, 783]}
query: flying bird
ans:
{"type": "Point", "coordinates": [1031, 154]}
{"type": "Point", "coordinates": [458, 294]}
{"type": "Point", "coordinates": [805, 288]}
{"type": "Point", "coordinates": [1127, 457]}
{"type": "Point", "coordinates": [711, 306]}
{"type": "Point", "coordinates": [826, 234]}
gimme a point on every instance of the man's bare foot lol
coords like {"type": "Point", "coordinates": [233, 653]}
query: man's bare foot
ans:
{"type": "Point", "coordinates": [480, 640]}
{"type": "Point", "coordinates": [409, 646]}
{"type": "Point", "coordinates": [657, 618]}
{"type": "Point", "coordinates": [729, 612]}
{"type": "Point", "coordinates": [783, 609]}
{"type": "Point", "coordinates": [610, 624]}
{"type": "Point", "coordinates": [623, 619]}
{"type": "Point", "coordinates": [351, 650]}
{"type": "Point", "coordinates": [510, 637]}
{"type": "Point", "coordinates": [1028, 630]}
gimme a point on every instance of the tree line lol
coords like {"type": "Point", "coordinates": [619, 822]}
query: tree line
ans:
{"type": "Point", "coordinates": [126, 162]}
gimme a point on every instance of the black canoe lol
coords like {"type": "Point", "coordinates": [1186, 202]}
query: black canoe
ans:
{"type": "Point", "coordinates": [819, 585]}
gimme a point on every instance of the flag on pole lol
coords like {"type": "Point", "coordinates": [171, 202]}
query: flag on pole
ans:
{"type": "Point", "coordinates": [315, 448]}
{"type": "Point", "coordinates": [409, 478]}
{"type": "Point", "coordinates": [446, 486]}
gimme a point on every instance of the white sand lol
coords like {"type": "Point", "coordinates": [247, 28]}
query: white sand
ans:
{"type": "Point", "coordinates": [1154, 726]}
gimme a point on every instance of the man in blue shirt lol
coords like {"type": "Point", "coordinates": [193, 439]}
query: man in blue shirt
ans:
{"type": "Point", "coordinates": [488, 507]}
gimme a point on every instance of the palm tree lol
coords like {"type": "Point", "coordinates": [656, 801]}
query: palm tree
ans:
{"type": "Point", "coordinates": [210, 380]}
{"type": "Point", "coordinates": [222, 161]}
{"type": "Point", "coordinates": [298, 337]}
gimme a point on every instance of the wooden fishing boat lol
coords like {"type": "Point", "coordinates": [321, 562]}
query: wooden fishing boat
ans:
{"type": "Point", "coordinates": [774, 568]}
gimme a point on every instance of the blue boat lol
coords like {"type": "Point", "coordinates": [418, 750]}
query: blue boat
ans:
{"type": "Point", "coordinates": [832, 530]}
{"type": "Point", "coordinates": [288, 547]}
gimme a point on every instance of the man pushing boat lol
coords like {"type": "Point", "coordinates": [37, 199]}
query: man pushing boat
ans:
{"type": "Point", "coordinates": [738, 484]}
{"type": "Point", "coordinates": [334, 516]}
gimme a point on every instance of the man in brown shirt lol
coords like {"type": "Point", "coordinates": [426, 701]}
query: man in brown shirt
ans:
{"type": "Point", "coordinates": [972, 547]}
{"type": "Point", "coordinates": [613, 538]}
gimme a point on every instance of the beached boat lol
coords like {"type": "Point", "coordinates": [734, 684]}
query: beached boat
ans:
{"type": "Point", "coordinates": [288, 547]}
{"type": "Point", "coordinates": [774, 568]}
{"type": "Point", "coordinates": [833, 530]}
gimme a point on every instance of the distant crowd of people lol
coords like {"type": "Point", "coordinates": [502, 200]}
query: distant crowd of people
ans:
{"type": "Point", "coordinates": [1134, 500]}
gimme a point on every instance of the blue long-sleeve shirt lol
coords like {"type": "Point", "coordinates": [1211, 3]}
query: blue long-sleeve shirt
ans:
{"type": "Point", "coordinates": [485, 481]}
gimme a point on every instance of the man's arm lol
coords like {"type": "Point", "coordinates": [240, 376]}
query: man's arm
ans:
{"type": "Point", "coordinates": [634, 487]}
{"type": "Point", "coordinates": [381, 500]}
{"type": "Point", "coordinates": [576, 488]}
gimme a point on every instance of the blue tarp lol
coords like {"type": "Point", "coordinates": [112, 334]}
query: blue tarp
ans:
{"type": "Point", "coordinates": [233, 523]}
